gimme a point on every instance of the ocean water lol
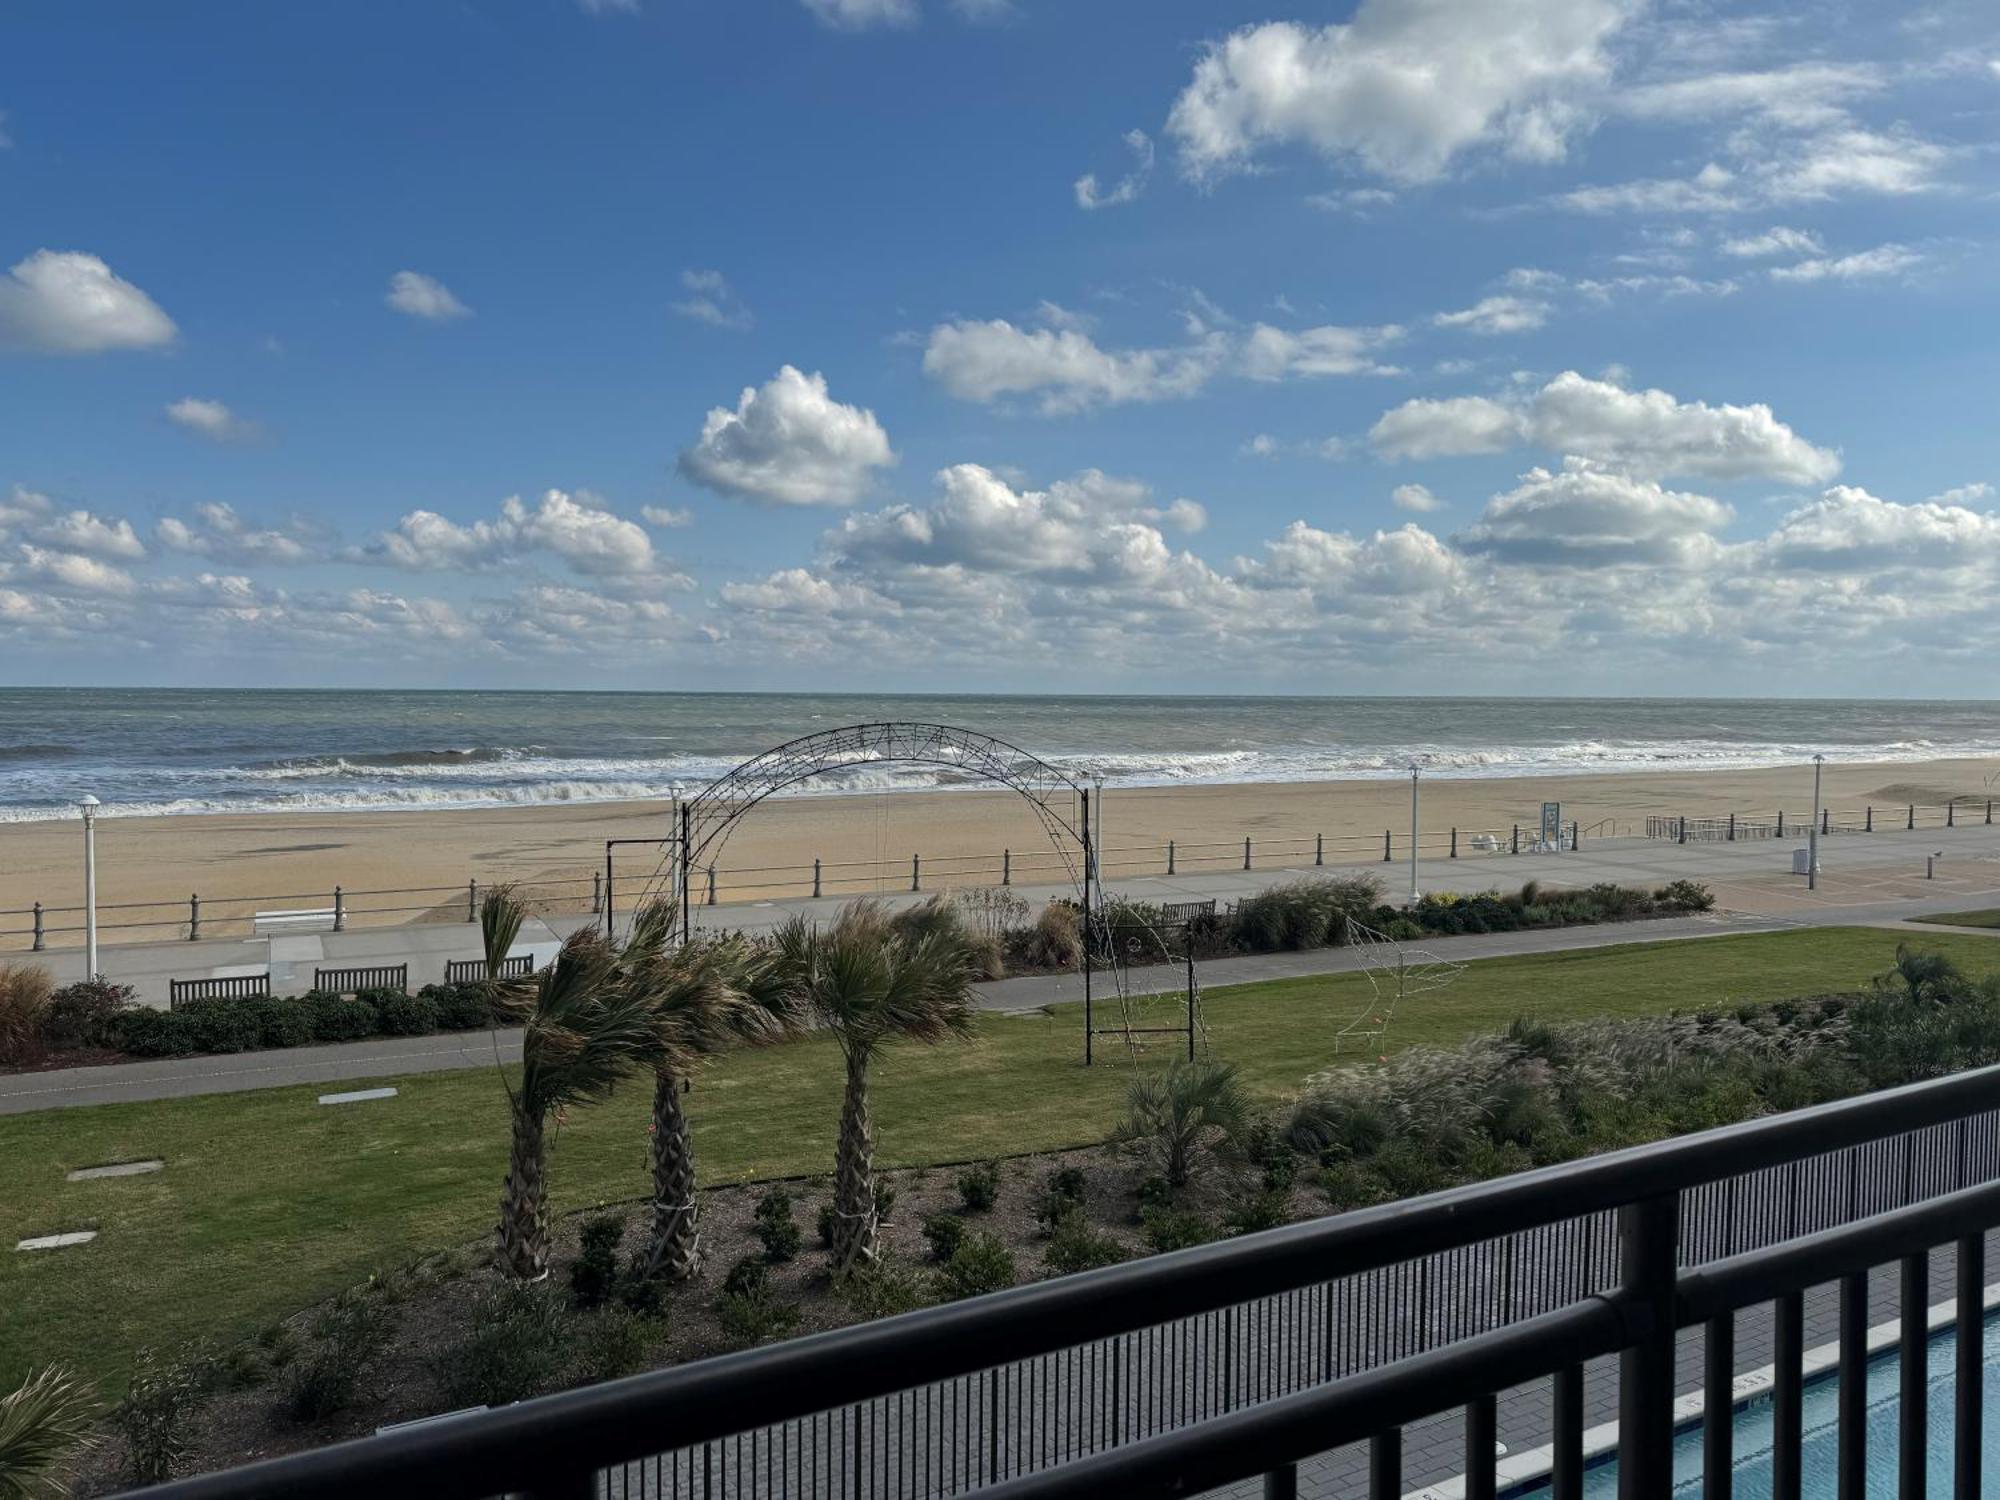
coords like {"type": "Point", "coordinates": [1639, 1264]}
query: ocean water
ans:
{"type": "Point", "coordinates": [195, 751]}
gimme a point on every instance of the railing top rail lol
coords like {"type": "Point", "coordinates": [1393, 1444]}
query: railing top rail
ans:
{"type": "Point", "coordinates": [645, 1414]}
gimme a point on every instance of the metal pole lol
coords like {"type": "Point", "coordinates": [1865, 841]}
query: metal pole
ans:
{"type": "Point", "coordinates": [1006, 866]}
{"type": "Point", "coordinates": [194, 918]}
{"type": "Point", "coordinates": [1648, 1231]}
{"type": "Point", "coordinates": [1089, 1022]}
{"type": "Point", "coordinates": [1246, 851]}
{"type": "Point", "coordinates": [610, 931]}
{"type": "Point", "coordinates": [816, 878]}
{"type": "Point", "coordinates": [89, 806]}
{"type": "Point", "coordinates": [916, 872]}
{"type": "Point", "coordinates": [711, 885]}
{"type": "Point", "coordinates": [472, 901]}
{"type": "Point", "coordinates": [1187, 937]}
{"type": "Point", "coordinates": [1170, 856]}
{"type": "Point", "coordinates": [597, 889]}
{"type": "Point", "coordinates": [687, 919]}
{"type": "Point", "coordinates": [339, 911]}
{"type": "Point", "coordinates": [1413, 833]}
{"type": "Point", "coordinates": [38, 927]}
{"type": "Point", "coordinates": [1812, 842]}
{"type": "Point", "coordinates": [1319, 846]}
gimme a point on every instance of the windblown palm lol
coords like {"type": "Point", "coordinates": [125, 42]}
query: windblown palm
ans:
{"type": "Point", "coordinates": [869, 986]}
{"type": "Point", "coordinates": [587, 1021]}
{"type": "Point", "coordinates": [706, 997]}
{"type": "Point", "coordinates": [42, 1424]}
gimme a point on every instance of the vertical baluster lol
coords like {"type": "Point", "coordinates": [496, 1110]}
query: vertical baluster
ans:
{"type": "Point", "coordinates": [1718, 1417]}
{"type": "Point", "coordinates": [1910, 1395]}
{"type": "Point", "coordinates": [1853, 1395]}
{"type": "Point", "coordinates": [1482, 1447]}
{"type": "Point", "coordinates": [1968, 1396]}
{"type": "Point", "coordinates": [1567, 1481]}
{"type": "Point", "coordinates": [1788, 1398]}
{"type": "Point", "coordinates": [1385, 1465]}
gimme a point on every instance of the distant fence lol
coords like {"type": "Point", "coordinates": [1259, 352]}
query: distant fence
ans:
{"type": "Point", "coordinates": [1903, 817]}
{"type": "Point", "coordinates": [198, 917]}
{"type": "Point", "coordinates": [472, 970]}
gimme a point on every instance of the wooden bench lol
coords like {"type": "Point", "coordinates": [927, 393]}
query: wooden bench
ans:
{"type": "Point", "coordinates": [353, 981]}
{"type": "Point", "coordinates": [230, 987]}
{"type": "Point", "coordinates": [472, 970]}
{"type": "Point", "coordinates": [307, 919]}
{"type": "Point", "coordinates": [1187, 911]}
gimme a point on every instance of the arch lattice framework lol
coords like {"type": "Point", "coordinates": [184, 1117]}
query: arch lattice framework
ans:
{"type": "Point", "coordinates": [1055, 796]}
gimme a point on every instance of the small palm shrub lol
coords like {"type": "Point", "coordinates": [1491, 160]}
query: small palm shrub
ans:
{"type": "Point", "coordinates": [25, 991]}
{"type": "Point", "coordinates": [979, 1187]}
{"type": "Point", "coordinates": [153, 1418]}
{"type": "Point", "coordinates": [979, 1265]}
{"type": "Point", "coordinates": [944, 1233]}
{"type": "Point", "coordinates": [347, 1338]}
{"type": "Point", "coordinates": [776, 1229]}
{"type": "Point", "coordinates": [1186, 1120]}
{"type": "Point", "coordinates": [44, 1422]}
{"type": "Point", "coordinates": [515, 1348]}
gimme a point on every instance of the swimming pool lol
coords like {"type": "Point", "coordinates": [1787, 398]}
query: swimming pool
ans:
{"type": "Point", "coordinates": [1818, 1467]}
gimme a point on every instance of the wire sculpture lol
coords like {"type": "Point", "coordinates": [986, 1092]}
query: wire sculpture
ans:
{"type": "Point", "coordinates": [1394, 973]}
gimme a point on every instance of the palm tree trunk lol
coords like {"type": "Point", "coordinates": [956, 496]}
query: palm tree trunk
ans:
{"type": "Point", "coordinates": [854, 1173]}
{"type": "Point", "coordinates": [675, 1252]}
{"type": "Point", "coordinates": [524, 1206]}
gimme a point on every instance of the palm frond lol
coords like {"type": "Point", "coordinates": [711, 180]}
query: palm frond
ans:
{"type": "Point", "coordinates": [47, 1420]}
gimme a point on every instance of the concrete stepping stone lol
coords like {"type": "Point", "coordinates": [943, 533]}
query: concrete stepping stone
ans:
{"type": "Point", "coordinates": [58, 1241]}
{"type": "Point", "coordinates": [357, 1096]}
{"type": "Point", "coordinates": [116, 1169]}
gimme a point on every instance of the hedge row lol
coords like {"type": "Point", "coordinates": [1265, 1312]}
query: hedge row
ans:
{"type": "Point", "coordinates": [251, 1025]}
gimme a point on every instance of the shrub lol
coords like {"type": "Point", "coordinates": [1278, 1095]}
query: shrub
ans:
{"type": "Point", "coordinates": [145, 1032]}
{"type": "Point", "coordinates": [338, 1020]}
{"type": "Point", "coordinates": [1265, 1210]}
{"type": "Point", "coordinates": [1074, 1246]}
{"type": "Point", "coordinates": [944, 1233]}
{"type": "Point", "coordinates": [885, 1202]}
{"type": "Point", "coordinates": [1272, 1155]}
{"type": "Point", "coordinates": [1060, 1199]}
{"type": "Point", "coordinates": [280, 1023]}
{"type": "Point", "coordinates": [979, 1265]}
{"type": "Point", "coordinates": [25, 990]}
{"type": "Point", "coordinates": [979, 1187]}
{"type": "Point", "coordinates": [1154, 1191]}
{"type": "Point", "coordinates": [348, 1335]}
{"type": "Point", "coordinates": [153, 1417]}
{"type": "Point", "coordinates": [1685, 895]}
{"type": "Point", "coordinates": [610, 1343]}
{"type": "Point", "coordinates": [755, 1318]}
{"type": "Point", "coordinates": [398, 1014]}
{"type": "Point", "coordinates": [1186, 1120]}
{"type": "Point", "coordinates": [885, 1289]}
{"type": "Point", "coordinates": [1056, 941]}
{"type": "Point", "coordinates": [1304, 913]}
{"type": "Point", "coordinates": [776, 1230]}
{"type": "Point", "coordinates": [514, 1350]}
{"type": "Point", "coordinates": [222, 1025]}
{"type": "Point", "coordinates": [825, 1224]}
{"type": "Point", "coordinates": [1174, 1229]}
{"type": "Point", "coordinates": [460, 1007]}
{"type": "Point", "coordinates": [84, 1014]}
{"type": "Point", "coordinates": [593, 1275]}
{"type": "Point", "coordinates": [751, 1273]}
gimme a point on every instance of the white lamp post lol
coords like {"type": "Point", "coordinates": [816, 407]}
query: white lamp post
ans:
{"type": "Point", "coordinates": [1414, 768]}
{"type": "Point", "coordinates": [89, 805]}
{"type": "Point", "coordinates": [1812, 841]}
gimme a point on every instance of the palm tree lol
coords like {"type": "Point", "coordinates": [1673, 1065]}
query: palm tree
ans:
{"type": "Point", "coordinates": [41, 1424]}
{"type": "Point", "coordinates": [868, 985]}
{"type": "Point", "coordinates": [587, 1022]}
{"type": "Point", "coordinates": [1185, 1118]}
{"type": "Point", "coordinates": [706, 997]}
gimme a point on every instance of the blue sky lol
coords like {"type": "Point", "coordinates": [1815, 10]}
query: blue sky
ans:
{"type": "Point", "coordinates": [1425, 345]}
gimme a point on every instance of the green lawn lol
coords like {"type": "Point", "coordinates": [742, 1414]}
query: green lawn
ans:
{"type": "Point", "coordinates": [269, 1201]}
{"type": "Point", "coordinates": [1990, 917]}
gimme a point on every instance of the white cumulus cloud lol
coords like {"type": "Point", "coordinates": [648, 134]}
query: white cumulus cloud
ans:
{"type": "Point", "coordinates": [859, 15]}
{"type": "Point", "coordinates": [1415, 498]}
{"type": "Point", "coordinates": [1496, 315]}
{"type": "Point", "coordinates": [789, 442]}
{"type": "Point", "coordinates": [218, 532]}
{"type": "Point", "coordinates": [1089, 194]}
{"type": "Point", "coordinates": [1402, 88]}
{"type": "Point", "coordinates": [572, 526]}
{"type": "Point", "coordinates": [421, 296]}
{"type": "Point", "coordinates": [66, 302]}
{"type": "Point", "coordinates": [713, 301]}
{"type": "Point", "coordinates": [210, 419]}
{"type": "Point", "coordinates": [1883, 260]}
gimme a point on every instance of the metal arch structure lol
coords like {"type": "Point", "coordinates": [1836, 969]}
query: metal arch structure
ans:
{"type": "Point", "coordinates": [706, 819]}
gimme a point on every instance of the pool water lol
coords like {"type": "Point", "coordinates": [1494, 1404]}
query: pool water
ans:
{"type": "Point", "coordinates": [1753, 1432]}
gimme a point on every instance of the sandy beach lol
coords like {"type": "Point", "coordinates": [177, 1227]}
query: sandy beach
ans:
{"type": "Point", "coordinates": [423, 860]}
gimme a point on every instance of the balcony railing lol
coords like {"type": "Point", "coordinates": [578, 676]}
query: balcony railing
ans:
{"type": "Point", "coordinates": [1244, 1360]}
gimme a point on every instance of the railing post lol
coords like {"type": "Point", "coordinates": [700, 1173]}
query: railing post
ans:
{"type": "Point", "coordinates": [1319, 845]}
{"type": "Point", "coordinates": [1007, 867]}
{"type": "Point", "coordinates": [1454, 843]}
{"type": "Point", "coordinates": [596, 892]}
{"type": "Point", "coordinates": [816, 878]}
{"type": "Point", "coordinates": [339, 911]}
{"type": "Point", "coordinates": [1869, 825]}
{"type": "Point", "coordinates": [472, 901]}
{"type": "Point", "coordinates": [1170, 856]}
{"type": "Point", "coordinates": [1246, 851]}
{"type": "Point", "coordinates": [194, 918]}
{"type": "Point", "coordinates": [1732, 828]}
{"type": "Point", "coordinates": [1517, 839]}
{"type": "Point", "coordinates": [1781, 823]}
{"type": "Point", "coordinates": [1989, 812]}
{"type": "Point", "coordinates": [1913, 817]}
{"type": "Point", "coordinates": [1575, 835]}
{"type": "Point", "coordinates": [916, 872]}
{"type": "Point", "coordinates": [1825, 821]}
{"type": "Point", "coordinates": [39, 940]}
{"type": "Point", "coordinates": [1648, 1252]}
{"type": "Point", "coordinates": [1951, 813]}
{"type": "Point", "coordinates": [711, 885]}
